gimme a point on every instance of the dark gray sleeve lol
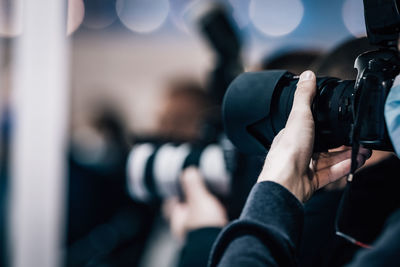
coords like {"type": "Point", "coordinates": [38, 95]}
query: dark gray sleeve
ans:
{"type": "Point", "coordinates": [267, 232]}
{"type": "Point", "coordinates": [198, 246]}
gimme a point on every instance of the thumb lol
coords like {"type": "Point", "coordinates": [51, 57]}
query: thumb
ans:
{"type": "Point", "coordinates": [306, 89]}
{"type": "Point", "coordinates": [301, 109]}
{"type": "Point", "coordinates": [193, 185]}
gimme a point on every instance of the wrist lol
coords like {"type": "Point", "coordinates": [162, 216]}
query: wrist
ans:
{"type": "Point", "coordinates": [292, 182]}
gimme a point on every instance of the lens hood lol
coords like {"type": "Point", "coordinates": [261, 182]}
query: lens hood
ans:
{"type": "Point", "coordinates": [246, 102]}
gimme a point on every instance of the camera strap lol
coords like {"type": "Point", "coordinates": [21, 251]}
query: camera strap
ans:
{"type": "Point", "coordinates": [340, 210]}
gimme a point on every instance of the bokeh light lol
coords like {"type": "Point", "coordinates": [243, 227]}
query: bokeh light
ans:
{"type": "Point", "coordinates": [276, 18]}
{"type": "Point", "coordinates": [142, 16]}
{"type": "Point", "coordinates": [99, 14]}
{"type": "Point", "coordinates": [180, 14]}
{"type": "Point", "coordinates": [76, 13]}
{"type": "Point", "coordinates": [241, 12]}
{"type": "Point", "coordinates": [10, 18]}
{"type": "Point", "coordinates": [353, 17]}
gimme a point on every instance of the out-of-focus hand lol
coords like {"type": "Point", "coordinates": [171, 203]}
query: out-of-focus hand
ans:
{"type": "Point", "coordinates": [290, 161]}
{"type": "Point", "coordinates": [200, 209]}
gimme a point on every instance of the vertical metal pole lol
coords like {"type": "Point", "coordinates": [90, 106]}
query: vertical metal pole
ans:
{"type": "Point", "coordinates": [40, 101]}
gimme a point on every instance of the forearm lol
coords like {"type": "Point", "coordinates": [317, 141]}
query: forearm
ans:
{"type": "Point", "coordinates": [267, 233]}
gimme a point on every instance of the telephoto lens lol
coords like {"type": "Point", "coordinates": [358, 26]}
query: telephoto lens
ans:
{"type": "Point", "coordinates": [153, 170]}
{"type": "Point", "coordinates": [257, 106]}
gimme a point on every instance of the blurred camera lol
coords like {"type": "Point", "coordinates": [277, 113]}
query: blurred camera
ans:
{"type": "Point", "coordinates": [154, 169]}
{"type": "Point", "coordinates": [257, 105]}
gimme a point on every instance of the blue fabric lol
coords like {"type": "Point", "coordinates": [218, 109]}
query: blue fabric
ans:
{"type": "Point", "coordinates": [392, 115]}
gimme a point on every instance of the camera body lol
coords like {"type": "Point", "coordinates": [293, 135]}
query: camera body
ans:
{"type": "Point", "coordinates": [376, 73]}
{"type": "Point", "coordinates": [382, 21]}
{"type": "Point", "coordinates": [257, 105]}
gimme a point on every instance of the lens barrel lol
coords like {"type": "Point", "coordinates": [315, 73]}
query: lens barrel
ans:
{"type": "Point", "coordinates": [257, 106]}
{"type": "Point", "coordinates": [153, 170]}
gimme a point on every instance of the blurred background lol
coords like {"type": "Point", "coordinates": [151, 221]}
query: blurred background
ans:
{"type": "Point", "coordinates": [126, 50]}
{"type": "Point", "coordinates": [120, 60]}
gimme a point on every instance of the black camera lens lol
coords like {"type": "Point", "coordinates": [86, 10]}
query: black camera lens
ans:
{"type": "Point", "coordinates": [257, 106]}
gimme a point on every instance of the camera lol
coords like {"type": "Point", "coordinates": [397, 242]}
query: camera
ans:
{"type": "Point", "coordinates": [154, 169]}
{"type": "Point", "coordinates": [257, 105]}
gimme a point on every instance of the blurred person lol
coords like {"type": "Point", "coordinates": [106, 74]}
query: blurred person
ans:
{"type": "Point", "coordinates": [98, 158]}
{"type": "Point", "coordinates": [193, 115]}
{"type": "Point", "coordinates": [183, 110]}
{"type": "Point", "coordinates": [196, 220]}
{"type": "Point", "coordinates": [182, 114]}
{"type": "Point", "coordinates": [103, 143]}
{"type": "Point", "coordinates": [104, 225]}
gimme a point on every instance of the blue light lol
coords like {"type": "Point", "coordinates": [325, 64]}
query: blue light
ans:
{"type": "Point", "coordinates": [276, 18]}
{"type": "Point", "coordinates": [142, 16]}
{"type": "Point", "coordinates": [353, 17]}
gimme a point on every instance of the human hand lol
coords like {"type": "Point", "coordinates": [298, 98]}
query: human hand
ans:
{"type": "Point", "coordinates": [200, 209]}
{"type": "Point", "coordinates": [290, 161]}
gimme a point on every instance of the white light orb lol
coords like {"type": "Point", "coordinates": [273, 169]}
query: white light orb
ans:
{"type": "Point", "coordinates": [276, 18]}
{"type": "Point", "coordinates": [76, 13]}
{"type": "Point", "coordinates": [142, 16]}
{"type": "Point", "coordinates": [181, 15]}
{"type": "Point", "coordinates": [241, 12]}
{"type": "Point", "coordinates": [353, 17]}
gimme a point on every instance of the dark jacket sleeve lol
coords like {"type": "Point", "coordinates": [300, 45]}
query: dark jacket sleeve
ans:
{"type": "Point", "coordinates": [267, 232]}
{"type": "Point", "coordinates": [198, 246]}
